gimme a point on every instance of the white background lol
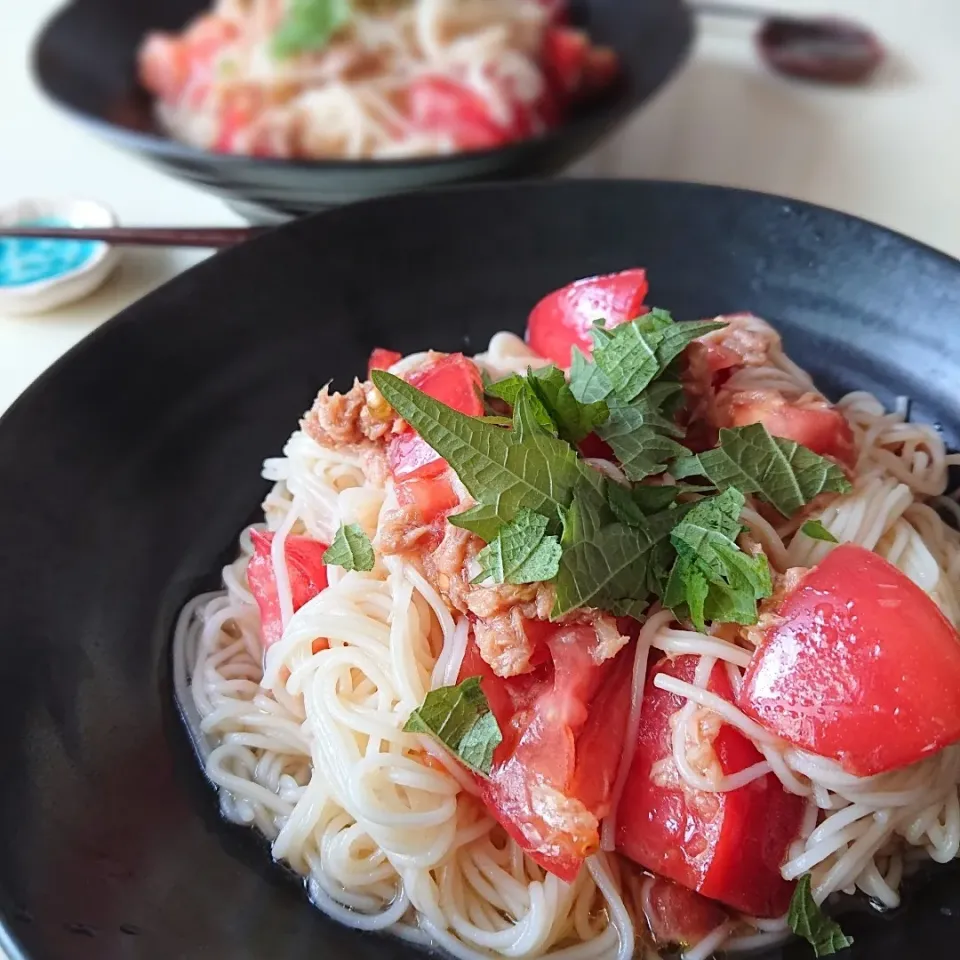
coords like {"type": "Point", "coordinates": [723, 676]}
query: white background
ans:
{"type": "Point", "coordinates": [890, 152]}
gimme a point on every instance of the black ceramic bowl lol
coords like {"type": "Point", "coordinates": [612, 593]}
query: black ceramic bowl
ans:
{"type": "Point", "coordinates": [85, 61]}
{"type": "Point", "coordinates": [130, 466]}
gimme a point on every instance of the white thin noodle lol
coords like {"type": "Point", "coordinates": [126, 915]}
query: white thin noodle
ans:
{"type": "Point", "coordinates": [507, 354]}
{"type": "Point", "coordinates": [344, 100]}
{"type": "Point", "coordinates": [306, 743]}
{"type": "Point", "coordinates": [866, 830]}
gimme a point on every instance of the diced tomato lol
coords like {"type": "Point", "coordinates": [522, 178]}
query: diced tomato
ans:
{"type": "Point", "coordinates": [409, 456]}
{"type": "Point", "coordinates": [726, 846]}
{"type": "Point", "coordinates": [381, 359]}
{"type": "Point", "coordinates": [441, 105]}
{"type": "Point", "coordinates": [164, 66]}
{"type": "Point", "coordinates": [434, 497]}
{"type": "Point", "coordinates": [710, 364]}
{"type": "Point", "coordinates": [599, 745]}
{"type": "Point", "coordinates": [820, 427]}
{"type": "Point", "coordinates": [565, 51]}
{"type": "Point", "coordinates": [860, 665]}
{"type": "Point", "coordinates": [208, 35]}
{"type": "Point", "coordinates": [453, 380]}
{"type": "Point", "coordinates": [719, 356]}
{"type": "Point", "coordinates": [232, 121]}
{"type": "Point", "coordinates": [305, 567]}
{"type": "Point", "coordinates": [677, 915]}
{"type": "Point", "coordinates": [562, 319]}
{"type": "Point", "coordinates": [445, 106]}
{"type": "Point", "coordinates": [601, 69]}
{"type": "Point", "coordinates": [496, 691]}
{"type": "Point", "coordinates": [544, 113]}
{"type": "Point", "coordinates": [593, 447]}
{"type": "Point", "coordinates": [237, 112]}
{"type": "Point", "coordinates": [169, 64]}
{"type": "Point", "coordinates": [573, 67]}
{"type": "Point", "coordinates": [553, 772]}
{"type": "Point", "coordinates": [527, 118]}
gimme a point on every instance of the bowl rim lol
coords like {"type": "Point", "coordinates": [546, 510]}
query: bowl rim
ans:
{"type": "Point", "coordinates": [605, 111]}
{"type": "Point", "coordinates": [126, 315]}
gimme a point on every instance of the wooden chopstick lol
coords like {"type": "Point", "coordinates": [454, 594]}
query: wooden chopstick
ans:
{"type": "Point", "coordinates": [212, 237]}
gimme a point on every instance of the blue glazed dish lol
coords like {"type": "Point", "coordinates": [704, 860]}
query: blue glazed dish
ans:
{"type": "Point", "coordinates": [33, 260]}
{"type": "Point", "coordinates": [38, 274]}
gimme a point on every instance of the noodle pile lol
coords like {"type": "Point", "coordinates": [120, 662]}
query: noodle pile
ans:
{"type": "Point", "coordinates": [346, 100]}
{"type": "Point", "coordinates": [385, 826]}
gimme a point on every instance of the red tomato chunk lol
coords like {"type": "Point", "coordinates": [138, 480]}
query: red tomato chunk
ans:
{"type": "Point", "coordinates": [565, 52]}
{"type": "Point", "coordinates": [678, 915]}
{"type": "Point", "coordinates": [810, 420]}
{"type": "Point", "coordinates": [171, 66]}
{"type": "Point", "coordinates": [859, 666]}
{"type": "Point", "coordinates": [433, 497]}
{"type": "Point", "coordinates": [381, 359]}
{"type": "Point", "coordinates": [727, 846]}
{"type": "Point", "coordinates": [820, 427]}
{"type": "Point", "coordinates": [573, 66]}
{"type": "Point", "coordinates": [562, 319]}
{"type": "Point", "coordinates": [440, 105]}
{"type": "Point", "coordinates": [562, 735]}
{"type": "Point", "coordinates": [305, 567]}
{"type": "Point", "coordinates": [453, 380]}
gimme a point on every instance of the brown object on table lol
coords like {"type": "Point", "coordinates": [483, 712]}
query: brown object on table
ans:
{"type": "Point", "coordinates": [827, 49]}
{"type": "Point", "coordinates": [210, 237]}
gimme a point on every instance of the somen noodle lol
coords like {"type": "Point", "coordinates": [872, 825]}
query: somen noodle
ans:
{"type": "Point", "coordinates": [378, 79]}
{"type": "Point", "coordinates": [305, 738]}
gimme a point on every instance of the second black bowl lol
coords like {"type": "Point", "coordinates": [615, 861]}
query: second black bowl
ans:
{"type": "Point", "coordinates": [85, 62]}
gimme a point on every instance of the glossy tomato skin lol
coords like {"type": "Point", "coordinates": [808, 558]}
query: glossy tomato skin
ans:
{"type": "Point", "coordinates": [441, 105]}
{"type": "Point", "coordinates": [305, 567]}
{"type": "Point", "coordinates": [560, 728]}
{"type": "Point", "coordinates": [591, 446]}
{"type": "Point", "coordinates": [562, 319]}
{"type": "Point", "coordinates": [573, 66]}
{"type": "Point", "coordinates": [237, 112]}
{"type": "Point", "coordinates": [452, 379]}
{"type": "Point", "coordinates": [727, 846]}
{"type": "Point", "coordinates": [860, 666]}
{"type": "Point", "coordinates": [564, 58]}
{"type": "Point", "coordinates": [173, 66]}
{"type": "Point", "coordinates": [410, 457]}
{"type": "Point", "coordinates": [434, 497]}
{"type": "Point", "coordinates": [813, 423]}
{"type": "Point", "coordinates": [822, 428]}
{"type": "Point", "coordinates": [598, 746]}
{"type": "Point", "coordinates": [382, 359]}
{"type": "Point", "coordinates": [678, 915]}
{"type": "Point", "coordinates": [164, 66]}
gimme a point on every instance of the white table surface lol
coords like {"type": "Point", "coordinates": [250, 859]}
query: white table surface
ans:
{"type": "Point", "coordinates": [889, 152]}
